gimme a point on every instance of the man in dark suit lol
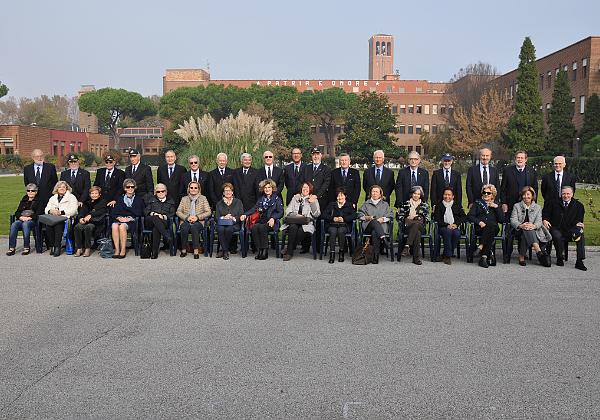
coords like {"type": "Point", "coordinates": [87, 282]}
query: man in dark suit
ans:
{"type": "Point", "coordinates": [564, 219]}
{"type": "Point", "coordinates": [319, 175]}
{"type": "Point", "coordinates": [446, 177]}
{"type": "Point", "coordinates": [514, 179]}
{"type": "Point", "coordinates": [293, 174]}
{"type": "Point", "coordinates": [380, 175]}
{"type": "Point", "coordinates": [140, 173]}
{"type": "Point", "coordinates": [171, 174]}
{"type": "Point", "coordinates": [270, 171]}
{"type": "Point", "coordinates": [110, 180]}
{"type": "Point", "coordinates": [481, 174]}
{"type": "Point", "coordinates": [409, 177]}
{"type": "Point", "coordinates": [194, 173]}
{"type": "Point", "coordinates": [216, 178]}
{"type": "Point", "coordinates": [244, 182]}
{"type": "Point", "coordinates": [42, 174]}
{"type": "Point", "coordinates": [77, 178]}
{"type": "Point", "coordinates": [346, 177]}
{"type": "Point", "coordinates": [553, 182]}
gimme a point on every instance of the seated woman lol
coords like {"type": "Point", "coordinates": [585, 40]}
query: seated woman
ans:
{"type": "Point", "coordinates": [448, 215]}
{"type": "Point", "coordinates": [526, 219]}
{"type": "Point", "coordinates": [159, 212]}
{"type": "Point", "coordinates": [375, 215]}
{"type": "Point", "coordinates": [62, 203]}
{"type": "Point", "coordinates": [228, 213]}
{"type": "Point", "coordinates": [412, 217]}
{"type": "Point", "coordinates": [192, 211]}
{"type": "Point", "coordinates": [486, 214]}
{"type": "Point", "coordinates": [25, 218]}
{"type": "Point", "coordinates": [91, 219]}
{"type": "Point", "coordinates": [338, 216]}
{"type": "Point", "coordinates": [270, 210]}
{"type": "Point", "coordinates": [304, 204]}
{"type": "Point", "coordinates": [128, 207]}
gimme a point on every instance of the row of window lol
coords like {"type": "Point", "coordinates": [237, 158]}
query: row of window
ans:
{"type": "Point", "coordinates": [420, 128]}
{"type": "Point", "coordinates": [548, 75]}
{"type": "Point", "coordinates": [434, 109]}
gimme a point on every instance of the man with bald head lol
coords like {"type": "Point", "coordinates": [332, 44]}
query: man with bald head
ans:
{"type": "Point", "coordinates": [481, 174]}
{"type": "Point", "coordinates": [553, 182]}
{"type": "Point", "coordinates": [42, 174]}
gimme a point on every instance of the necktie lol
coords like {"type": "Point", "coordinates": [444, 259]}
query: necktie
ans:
{"type": "Point", "coordinates": [296, 170]}
{"type": "Point", "coordinates": [38, 176]}
{"type": "Point", "coordinates": [106, 181]}
{"type": "Point", "coordinates": [413, 179]}
{"type": "Point", "coordinates": [485, 175]}
{"type": "Point", "coordinates": [170, 172]}
{"type": "Point", "coordinates": [378, 176]}
{"type": "Point", "coordinates": [269, 172]}
{"type": "Point", "coordinates": [195, 177]}
{"type": "Point", "coordinates": [447, 178]}
{"type": "Point", "coordinates": [558, 184]}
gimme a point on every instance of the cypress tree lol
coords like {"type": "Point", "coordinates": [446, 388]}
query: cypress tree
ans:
{"type": "Point", "coordinates": [561, 130]}
{"type": "Point", "coordinates": [591, 119]}
{"type": "Point", "coordinates": [526, 126]}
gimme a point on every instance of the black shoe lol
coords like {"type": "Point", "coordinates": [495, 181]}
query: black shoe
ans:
{"type": "Point", "coordinates": [579, 265]}
{"type": "Point", "coordinates": [375, 258]}
{"type": "Point", "coordinates": [341, 257]}
{"type": "Point", "coordinates": [492, 260]}
{"type": "Point", "coordinates": [331, 257]}
{"type": "Point", "coordinates": [483, 262]}
{"type": "Point", "coordinates": [560, 262]}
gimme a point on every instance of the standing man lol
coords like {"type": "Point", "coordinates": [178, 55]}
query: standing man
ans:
{"type": "Point", "coordinates": [319, 175]}
{"type": "Point", "coordinates": [481, 174]}
{"type": "Point", "coordinates": [42, 174]}
{"type": "Point", "coordinates": [293, 174]}
{"type": "Point", "coordinates": [446, 177]}
{"type": "Point", "coordinates": [216, 178]}
{"type": "Point", "coordinates": [244, 182]}
{"type": "Point", "coordinates": [346, 177]}
{"type": "Point", "coordinates": [380, 175]}
{"type": "Point", "coordinates": [553, 182]}
{"type": "Point", "coordinates": [410, 177]}
{"type": "Point", "coordinates": [564, 219]}
{"type": "Point", "coordinates": [77, 178]}
{"type": "Point", "coordinates": [140, 173]}
{"type": "Point", "coordinates": [270, 171]}
{"type": "Point", "coordinates": [194, 173]}
{"type": "Point", "coordinates": [110, 179]}
{"type": "Point", "coordinates": [171, 174]}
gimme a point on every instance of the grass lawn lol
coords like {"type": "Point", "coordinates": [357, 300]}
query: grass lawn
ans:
{"type": "Point", "coordinates": [12, 189]}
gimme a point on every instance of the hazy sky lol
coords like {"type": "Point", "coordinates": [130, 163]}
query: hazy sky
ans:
{"type": "Point", "coordinates": [53, 47]}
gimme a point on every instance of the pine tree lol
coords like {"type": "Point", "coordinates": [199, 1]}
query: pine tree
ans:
{"type": "Point", "coordinates": [526, 126]}
{"type": "Point", "coordinates": [591, 119]}
{"type": "Point", "coordinates": [561, 130]}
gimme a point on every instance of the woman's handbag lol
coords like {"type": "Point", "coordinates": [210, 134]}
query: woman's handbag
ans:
{"type": "Point", "coordinates": [252, 219]}
{"type": "Point", "coordinates": [296, 219]}
{"type": "Point", "coordinates": [363, 255]}
{"type": "Point", "coordinates": [51, 219]}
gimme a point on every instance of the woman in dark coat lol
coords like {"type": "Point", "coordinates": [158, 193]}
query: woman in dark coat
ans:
{"type": "Point", "coordinates": [486, 214]}
{"type": "Point", "coordinates": [449, 215]}
{"type": "Point", "coordinates": [338, 216]}
{"type": "Point", "coordinates": [90, 220]}
{"type": "Point", "coordinates": [159, 214]}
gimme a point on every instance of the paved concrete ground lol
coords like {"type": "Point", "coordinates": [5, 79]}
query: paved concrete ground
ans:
{"type": "Point", "coordinates": [173, 337]}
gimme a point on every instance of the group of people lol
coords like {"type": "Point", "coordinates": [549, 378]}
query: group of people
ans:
{"type": "Point", "coordinates": [252, 196]}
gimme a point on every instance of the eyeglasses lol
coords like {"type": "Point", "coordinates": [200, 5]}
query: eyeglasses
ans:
{"type": "Point", "coordinates": [160, 191]}
{"type": "Point", "coordinates": [129, 186]}
{"type": "Point", "coordinates": [193, 163]}
{"type": "Point", "coordinates": [487, 193]}
{"type": "Point", "coordinates": [31, 190]}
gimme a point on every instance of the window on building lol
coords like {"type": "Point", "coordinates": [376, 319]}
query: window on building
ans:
{"type": "Point", "coordinates": [410, 129]}
{"type": "Point", "coordinates": [584, 67]}
{"type": "Point", "coordinates": [434, 129]}
{"type": "Point", "coordinates": [434, 109]}
{"type": "Point", "coordinates": [403, 109]}
{"type": "Point", "coordinates": [443, 109]}
{"type": "Point", "coordinates": [426, 109]}
{"type": "Point", "coordinates": [541, 82]}
{"type": "Point", "coordinates": [411, 109]}
{"type": "Point", "coordinates": [402, 129]}
{"type": "Point", "coordinates": [582, 104]}
{"type": "Point", "coordinates": [419, 109]}
{"type": "Point", "coordinates": [394, 109]}
{"type": "Point", "coordinates": [549, 81]}
{"type": "Point", "coordinates": [574, 76]}
{"type": "Point", "coordinates": [426, 128]}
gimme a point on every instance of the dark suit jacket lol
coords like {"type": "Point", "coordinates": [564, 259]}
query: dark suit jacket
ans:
{"type": "Point", "coordinates": [143, 179]}
{"type": "Point", "coordinates": [388, 182]}
{"type": "Point", "coordinates": [438, 183]}
{"type": "Point", "coordinates": [509, 189]}
{"type": "Point", "coordinates": [320, 180]}
{"type": "Point", "coordinates": [114, 188]}
{"type": "Point", "coordinates": [276, 175]}
{"type": "Point", "coordinates": [214, 185]}
{"type": "Point", "coordinates": [175, 187]}
{"type": "Point", "coordinates": [47, 183]}
{"type": "Point", "coordinates": [81, 184]}
{"type": "Point", "coordinates": [563, 218]}
{"type": "Point", "coordinates": [292, 183]}
{"type": "Point", "coordinates": [403, 184]}
{"type": "Point", "coordinates": [245, 186]}
{"type": "Point", "coordinates": [352, 185]}
{"type": "Point", "coordinates": [549, 191]}
{"type": "Point", "coordinates": [202, 178]}
{"type": "Point", "coordinates": [474, 182]}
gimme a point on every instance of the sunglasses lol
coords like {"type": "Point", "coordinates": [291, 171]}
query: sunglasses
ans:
{"type": "Point", "coordinates": [486, 193]}
{"type": "Point", "coordinates": [160, 191]}
{"type": "Point", "coordinates": [31, 190]}
{"type": "Point", "coordinates": [129, 186]}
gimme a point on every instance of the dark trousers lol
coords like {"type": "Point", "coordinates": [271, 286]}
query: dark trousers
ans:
{"type": "Point", "coordinates": [450, 237]}
{"type": "Point", "coordinates": [413, 229]}
{"type": "Point", "coordinates": [376, 231]}
{"type": "Point", "coordinates": [225, 234]}
{"type": "Point", "coordinates": [159, 229]}
{"type": "Point", "coordinates": [54, 234]}
{"type": "Point", "coordinates": [297, 235]}
{"type": "Point", "coordinates": [260, 235]}
{"type": "Point", "coordinates": [558, 238]}
{"type": "Point", "coordinates": [487, 235]}
{"type": "Point", "coordinates": [337, 232]}
{"type": "Point", "coordinates": [84, 235]}
{"type": "Point", "coordinates": [195, 229]}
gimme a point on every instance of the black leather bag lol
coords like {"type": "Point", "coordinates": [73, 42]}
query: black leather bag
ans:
{"type": "Point", "coordinates": [146, 248]}
{"type": "Point", "coordinates": [363, 255]}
